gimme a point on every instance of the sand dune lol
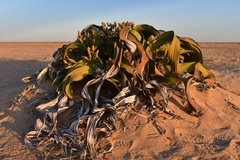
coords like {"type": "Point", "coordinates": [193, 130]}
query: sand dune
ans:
{"type": "Point", "coordinates": [214, 135]}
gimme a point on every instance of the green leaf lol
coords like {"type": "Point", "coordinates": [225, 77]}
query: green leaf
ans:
{"type": "Point", "coordinates": [127, 66]}
{"type": "Point", "coordinates": [195, 54]}
{"type": "Point", "coordinates": [58, 80]}
{"type": "Point", "coordinates": [206, 73]}
{"type": "Point", "coordinates": [159, 40]}
{"type": "Point", "coordinates": [168, 79]}
{"type": "Point", "coordinates": [136, 34]}
{"type": "Point", "coordinates": [183, 51]}
{"type": "Point", "coordinates": [76, 73]}
{"type": "Point", "coordinates": [186, 67]}
{"type": "Point", "coordinates": [147, 30]}
{"type": "Point", "coordinates": [193, 43]}
{"type": "Point", "coordinates": [74, 52]}
{"type": "Point", "coordinates": [79, 73]}
{"type": "Point", "coordinates": [173, 55]}
{"type": "Point", "coordinates": [69, 91]}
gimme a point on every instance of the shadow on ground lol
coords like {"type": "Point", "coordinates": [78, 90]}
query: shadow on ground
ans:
{"type": "Point", "coordinates": [15, 124]}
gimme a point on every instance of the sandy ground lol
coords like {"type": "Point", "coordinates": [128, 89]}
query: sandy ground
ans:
{"type": "Point", "coordinates": [214, 135]}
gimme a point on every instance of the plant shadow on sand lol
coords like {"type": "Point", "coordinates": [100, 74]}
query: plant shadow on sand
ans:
{"type": "Point", "coordinates": [15, 124]}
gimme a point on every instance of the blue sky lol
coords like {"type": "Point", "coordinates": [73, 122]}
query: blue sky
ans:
{"type": "Point", "coordinates": [59, 20]}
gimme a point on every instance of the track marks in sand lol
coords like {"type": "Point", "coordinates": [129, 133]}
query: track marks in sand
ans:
{"type": "Point", "coordinates": [123, 143]}
{"type": "Point", "coordinates": [11, 146]}
{"type": "Point", "coordinates": [189, 136]}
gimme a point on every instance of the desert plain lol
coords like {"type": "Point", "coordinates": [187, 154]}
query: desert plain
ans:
{"type": "Point", "coordinates": [214, 135]}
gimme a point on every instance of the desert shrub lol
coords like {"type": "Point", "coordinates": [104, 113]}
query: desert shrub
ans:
{"type": "Point", "coordinates": [109, 71]}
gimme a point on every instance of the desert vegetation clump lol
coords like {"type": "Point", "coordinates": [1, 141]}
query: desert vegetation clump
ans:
{"type": "Point", "coordinates": [110, 71]}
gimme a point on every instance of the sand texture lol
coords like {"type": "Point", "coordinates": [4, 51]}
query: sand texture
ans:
{"type": "Point", "coordinates": [214, 135]}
